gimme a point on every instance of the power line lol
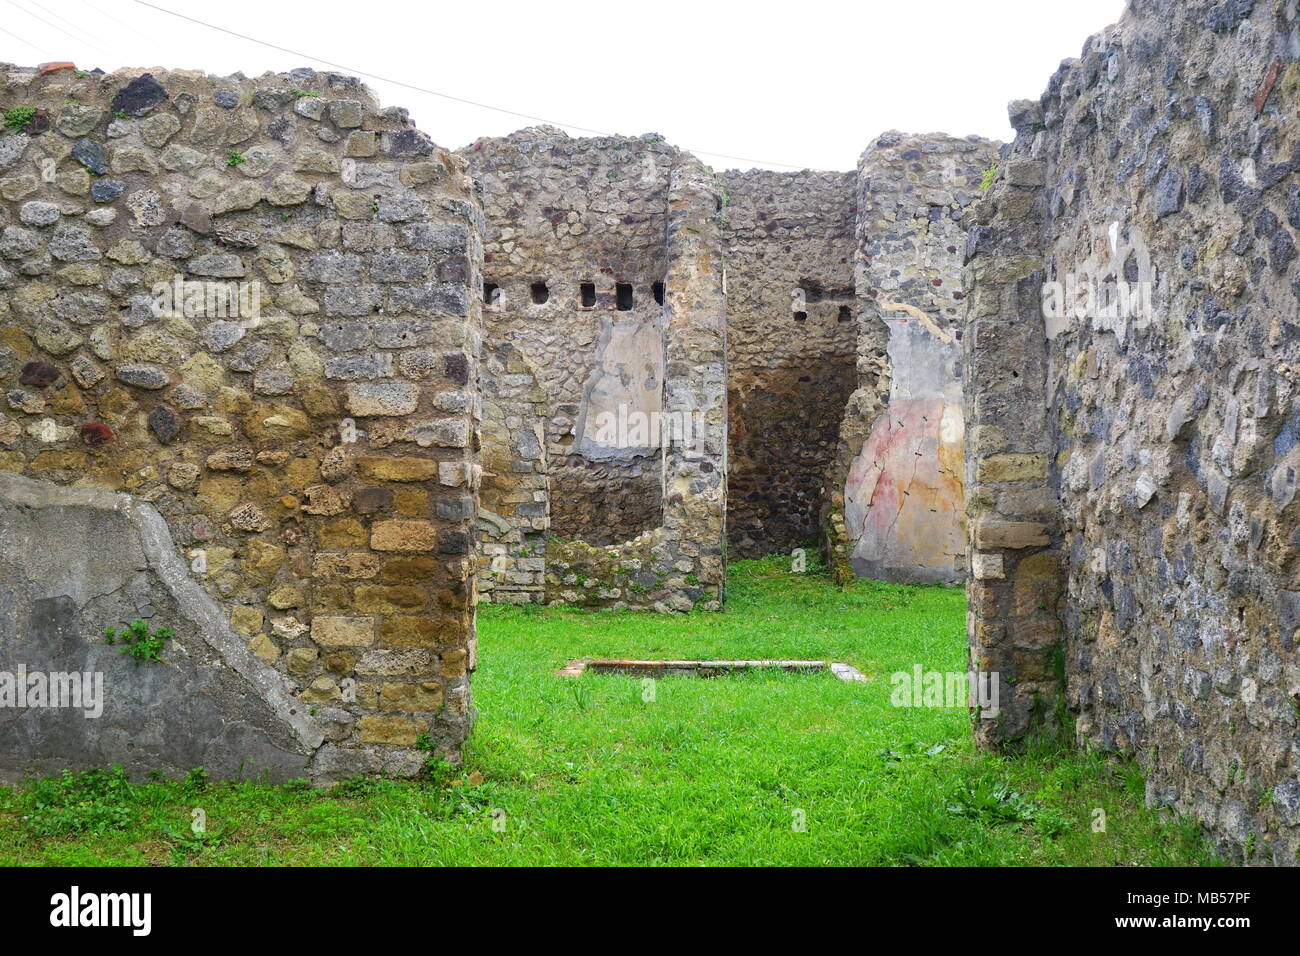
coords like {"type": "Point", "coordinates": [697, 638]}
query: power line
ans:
{"type": "Point", "coordinates": [24, 42]}
{"type": "Point", "coordinates": [55, 26]}
{"type": "Point", "coordinates": [445, 96]}
{"type": "Point", "coordinates": [130, 29]}
{"type": "Point", "coordinates": [64, 20]}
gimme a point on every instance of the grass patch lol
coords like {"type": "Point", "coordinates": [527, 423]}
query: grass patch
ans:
{"type": "Point", "coordinates": [752, 769]}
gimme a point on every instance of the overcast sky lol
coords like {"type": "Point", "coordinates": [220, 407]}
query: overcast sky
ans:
{"type": "Point", "coordinates": [794, 84]}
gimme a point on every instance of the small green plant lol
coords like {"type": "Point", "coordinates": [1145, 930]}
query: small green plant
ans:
{"type": "Point", "coordinates": [88, 801]}
{"type": "Point", "coordinates": [581, 698]}
{"type": "Point", "coordinates": [436, 767]}
{"type": "Point", "coordinates": [304, 94]}
{"type": "Point", "coordinates": [233, 157]}
{"type": "Point", "coordinates": [988, 176]}
{"type": "Point", "coordinates": [1056, 657]}
{"type": "Point", "coordinates": [81, 74]}
{"type": "Point", "coordinates": [186, 840]}
{"type": "Point", "coordinates": [17, 117]}
{"type": "Point", "coordinates": [196, 780]}
{"type": "Point", "coordinates": [355, 788]}
{"type": "Point", "coordinates": [121, 114]}
{"type": "Point", "coordinates": [994, 803]}
{"type": "Point", "coordinates": [138, 641]}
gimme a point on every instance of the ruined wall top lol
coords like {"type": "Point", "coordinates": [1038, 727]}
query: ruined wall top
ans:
{"type": "Point", "coordinates": [557, 204]}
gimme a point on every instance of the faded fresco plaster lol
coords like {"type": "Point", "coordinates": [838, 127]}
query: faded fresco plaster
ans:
{"type": "Point", "coordinates": [625, 392]}
{"type": "Point", "coordinates": [903, 502]}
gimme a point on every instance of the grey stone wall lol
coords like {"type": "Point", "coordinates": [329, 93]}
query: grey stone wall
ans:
{"type": "Point", "coordinates": [1155, 504]}
{"type": "Point", "coordinates": [680, 564]}
{"type": "Point", "coordinates": [792, 329]}
{"type": "Point", "coordinates": [566, 212]}
{"type": "Point", "coordinates": [626, 370]}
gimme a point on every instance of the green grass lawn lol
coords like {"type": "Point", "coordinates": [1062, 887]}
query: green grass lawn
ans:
{"type": "Point", "coordinates": [759, 768]}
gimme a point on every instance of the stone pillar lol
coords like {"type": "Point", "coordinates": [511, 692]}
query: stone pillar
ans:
{"type": "Point", "coordinates": [695, 388]}
{"type": "Point", "coordinates": [514, 509]}
{"type": "Point", "coordinates": [1014, 584]}
{"type": "Point", "coordinates": [895, 489]}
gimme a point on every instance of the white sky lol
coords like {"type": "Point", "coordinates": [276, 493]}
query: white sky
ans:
{"type": "Point", "coordinates": [803, 83]}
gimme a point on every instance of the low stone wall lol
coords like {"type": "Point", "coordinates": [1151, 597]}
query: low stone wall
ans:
{"type": "Point", "coordinates": [248, 303]}
{"type": "Point", "coordinates": [630, 574]}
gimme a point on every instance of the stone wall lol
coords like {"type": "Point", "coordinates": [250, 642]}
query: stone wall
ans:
{"type": "Point", "coordinates": [681, 563]}
{"type": "Point", "coordinates": [570, 222]}
{"type": "Point", "coordinates": [515, 494]}
{"type": "Point", "coordinates": [304, 420]}
{"type": "Point", "coordinates": [1134, 535]}
{"type": "Point", "coordinates": [792, 334]}
{"type": "Point", "coordinates": [894, 502]}
{"type": "Point", "coordinates": [590, 279]}
{"type": "Point", "coordinates": [561, 214]}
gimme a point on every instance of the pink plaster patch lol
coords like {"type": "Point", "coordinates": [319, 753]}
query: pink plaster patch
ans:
{"type": "Point", "coordinates": [904, 493]}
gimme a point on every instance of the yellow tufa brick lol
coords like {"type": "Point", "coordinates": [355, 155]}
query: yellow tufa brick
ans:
{"type": "Point", "coordinates": [410, 630]}
{"type": "Point", "coordinates": [991, 533]}
{"type": "Point", "coordinates": [246, 620]}
{"type": "Point", "coordinates": [403, 536]}
{"type": "Point", "coordinates": [337, 631]}
{"type": "Point", "coordinates": [1011, 468]}
{"type": "Point", "coordinates": [398, 469]}
{"type": "Point", "coordinates": [411, 697]}
{"type": "Point", "coordinates": [402, 731]}
{"type": "Point", "coordinates": [380, 598]}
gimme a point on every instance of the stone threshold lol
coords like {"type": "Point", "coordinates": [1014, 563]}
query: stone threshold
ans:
{"type": "Point", "coordinates": [652, 668]}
